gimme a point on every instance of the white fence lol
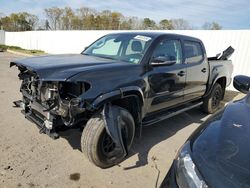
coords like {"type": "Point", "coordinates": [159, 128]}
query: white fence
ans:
{"type": "Point", "coordinates": [74, 42]}
{"type": "Point", "coordinates": [2, 37]}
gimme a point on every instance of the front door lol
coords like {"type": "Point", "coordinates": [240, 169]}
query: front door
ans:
{"type": "Point", "coordinates": [167, 82]}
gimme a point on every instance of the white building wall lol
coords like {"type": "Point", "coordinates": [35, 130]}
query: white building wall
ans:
{"type": "Point", "coordinates": [57, 42]}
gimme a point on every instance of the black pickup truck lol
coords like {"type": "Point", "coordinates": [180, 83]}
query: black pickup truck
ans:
{"type": "Point", "coordinates": [118, 84]}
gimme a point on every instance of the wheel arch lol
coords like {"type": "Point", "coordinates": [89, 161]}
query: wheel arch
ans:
{"type": "Point", "coordinates": [222, 80]}
{"type": "Point", "coordinates": [124, 97]}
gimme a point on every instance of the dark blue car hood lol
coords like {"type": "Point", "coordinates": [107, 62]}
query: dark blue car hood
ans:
{"type": "Point", "coordinates": [62, 67]}
{"type": "Point", "coordinates": [222, 151]}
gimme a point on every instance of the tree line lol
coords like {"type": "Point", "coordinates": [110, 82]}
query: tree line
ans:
{"type": "Point", "coordinates": [86, 18]}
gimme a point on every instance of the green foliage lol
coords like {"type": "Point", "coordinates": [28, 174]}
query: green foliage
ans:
{"type": "Point", "coordinates": [3, 47]}
{"type": "Point", "coordinates": [19, 49]}
{"type": "Point", "coordinates": [14, 47]}
{"type": "Point", "coordinates": [211, 26]}
{"type": "Point", "coordinates": [166, 24]}
{"type": "Point", "coordinates": [54, 14]}
{"type": "Point", "coordinates": [22, 21]}
{"type": "Point", "coordinates": [149, 24]}
{"type": "Point", "coordinates": [180, 24]}
{"type": "Point", "coordinates": [86, 18]}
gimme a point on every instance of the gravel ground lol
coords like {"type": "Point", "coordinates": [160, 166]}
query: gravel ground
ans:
{"type": "Point", "coordinates": [30, 159]}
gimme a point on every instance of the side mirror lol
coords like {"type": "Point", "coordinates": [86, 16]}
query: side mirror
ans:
{"type": "Point", "coordinates": [162, 60]}
{"type": "Point", "coordinates": [242, 83]}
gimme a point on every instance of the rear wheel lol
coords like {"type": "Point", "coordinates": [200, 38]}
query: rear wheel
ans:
{"type": "Point", "coordinates": [212, 102]}
{"type": "Point", "coordinates": [97, 145]}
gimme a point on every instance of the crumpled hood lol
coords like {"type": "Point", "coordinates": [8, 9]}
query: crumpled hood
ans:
{"type": "Point", "coordinates": [62, 67]}
{"type": "Point", "coordinates": [222, 152]}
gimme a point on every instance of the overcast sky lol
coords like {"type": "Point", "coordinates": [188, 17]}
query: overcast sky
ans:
{"type": "Point", "coordinates": [231, 14]}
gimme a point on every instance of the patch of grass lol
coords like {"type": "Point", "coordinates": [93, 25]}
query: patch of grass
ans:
{"type": "Point", "coordinates": [3, 48]}
{"type": "Point", "coordinates": [19, 49]}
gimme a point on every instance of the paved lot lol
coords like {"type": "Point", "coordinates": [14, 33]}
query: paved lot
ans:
{"type": "Point", "coordinates": [30, 159]}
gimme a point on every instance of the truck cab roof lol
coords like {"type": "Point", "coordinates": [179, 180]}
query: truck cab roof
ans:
{"type": "Point", "coordinates": [155, 35]}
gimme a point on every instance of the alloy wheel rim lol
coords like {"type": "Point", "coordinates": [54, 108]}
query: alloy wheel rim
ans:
{"type": "Point", "coordinates": [216, 99]}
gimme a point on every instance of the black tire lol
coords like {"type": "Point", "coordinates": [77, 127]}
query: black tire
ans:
{"type": "Point", "coordinates": [94, 136]}
{"type": "Point", "coordinates": [212, 102]}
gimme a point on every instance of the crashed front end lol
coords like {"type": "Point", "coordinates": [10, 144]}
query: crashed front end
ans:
{"type": "Point", "coordinates": [50, 104]}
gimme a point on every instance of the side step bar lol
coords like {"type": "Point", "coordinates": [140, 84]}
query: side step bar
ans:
{"type": "Point", "coordinates": [171, 113]}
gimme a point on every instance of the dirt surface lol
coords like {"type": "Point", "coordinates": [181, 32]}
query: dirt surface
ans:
{"type": "Point", "coordinates": [30, 159]}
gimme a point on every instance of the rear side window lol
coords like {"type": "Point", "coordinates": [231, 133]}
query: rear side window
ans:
{"type": "Point", "coordinates": [193, 52]}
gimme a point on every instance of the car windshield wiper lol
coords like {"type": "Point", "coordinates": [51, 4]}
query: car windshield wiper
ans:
{"type": "Point", "coordinates": [85, 54]}
{"type": "Point", "coordinates": [105, 57]}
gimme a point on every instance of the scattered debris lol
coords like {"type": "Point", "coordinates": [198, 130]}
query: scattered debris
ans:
{"type": "Point", "coordinates": [74, 176]}
{"type": "Point", "coordinates": [154, 158]}
{"type": "Point", "coordinates": [28, 175]}
{"type": "Point", "coordinates": [32, 148]}
{"type": "Point", "coordinates": [22, 172]}
{"type": "Point", "coordinates": [7, 168]}
{"type": "Point", "coordinates": [47, 167]}
{"type": "Point", "coordinates": [31, 184]}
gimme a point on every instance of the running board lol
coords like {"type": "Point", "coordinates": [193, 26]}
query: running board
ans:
{"type": "Point", "coordinates": [170, 114]}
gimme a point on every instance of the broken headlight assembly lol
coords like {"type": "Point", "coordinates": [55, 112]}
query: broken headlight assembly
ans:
{"type": "Point", "coordinates": [187, 174]}
{"type": "Point", "coordinates": [70, 104]}
{"type": "Point", "coordinates": [63, 99]}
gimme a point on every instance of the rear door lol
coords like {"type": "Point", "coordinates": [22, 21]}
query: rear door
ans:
{"type": "Point", "coordinates": [197, 70]}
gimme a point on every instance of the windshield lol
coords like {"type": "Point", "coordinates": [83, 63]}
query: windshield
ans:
{"type": "Point", "coordinates": [123, 47]}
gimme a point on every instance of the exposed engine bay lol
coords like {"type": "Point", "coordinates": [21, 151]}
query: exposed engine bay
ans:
{"type": "Point", "coordinates": [49, 103]}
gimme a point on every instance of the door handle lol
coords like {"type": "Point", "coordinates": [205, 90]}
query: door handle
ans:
{"type": "Point", "coordinates": [181, 73]}
{"type": "Point", "coordinates": [204, 70]}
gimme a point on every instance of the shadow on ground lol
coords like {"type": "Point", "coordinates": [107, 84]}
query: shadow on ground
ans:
{"type": "Point", "coordinates": [159, 132]}
{"type": "Point", "coordinates": [73, 136]}
{"type": "Point", "coordinates": [151, 135]}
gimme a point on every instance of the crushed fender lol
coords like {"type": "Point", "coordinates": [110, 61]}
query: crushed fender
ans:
{"type": "Point", "coordinates": [112, 119]}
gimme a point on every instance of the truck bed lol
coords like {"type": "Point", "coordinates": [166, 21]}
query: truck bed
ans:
{"type": "Point", "coordinates": [221, 67]}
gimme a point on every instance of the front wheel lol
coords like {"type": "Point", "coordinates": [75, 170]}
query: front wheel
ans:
{"type": "Point", "coordinates": [212, 102]}
{"type": "Point", "coordinates": [97, 145]}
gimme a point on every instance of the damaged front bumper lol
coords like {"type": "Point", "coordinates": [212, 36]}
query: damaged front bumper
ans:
{"type": "Point", "coordinates": [48, 119]}
{"type": "Point", "coordinates": [45, 121]}
{"type": "Point", "coordinates": [50, 104]}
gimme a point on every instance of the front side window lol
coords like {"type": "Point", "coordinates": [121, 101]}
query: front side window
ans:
{"type": "Point", "coordinates": [193, 52]}
{"type": "Point", "coordinates": [169, 50]}
{"type": "Point", "coordinates": [123, 47]}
